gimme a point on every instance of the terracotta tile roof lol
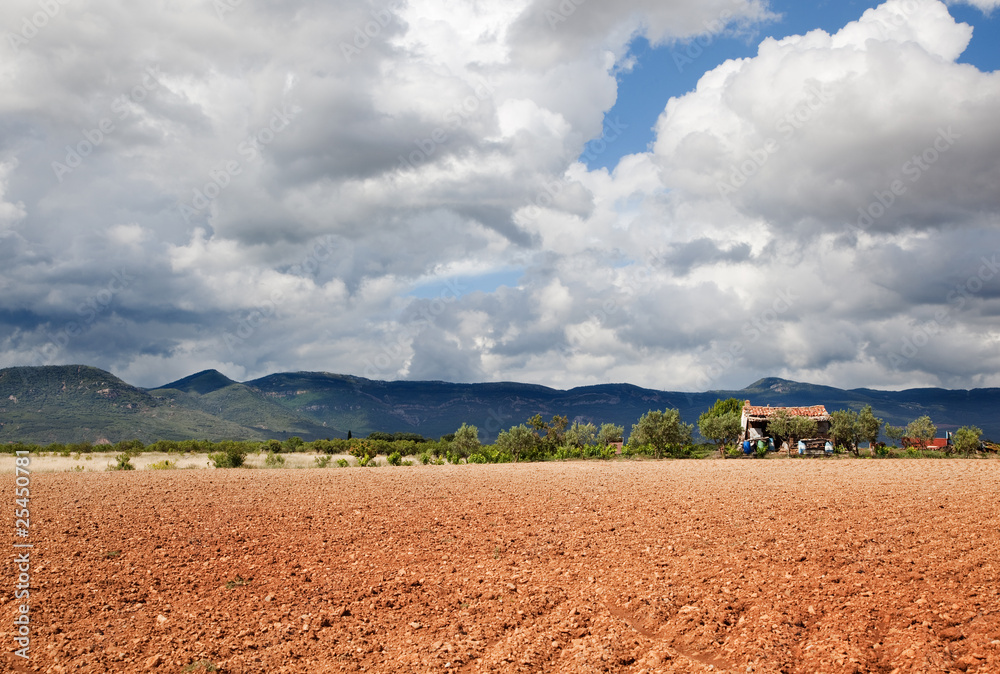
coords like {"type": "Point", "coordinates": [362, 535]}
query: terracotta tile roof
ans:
{"type": "Point", "coordinates": [758, 411]}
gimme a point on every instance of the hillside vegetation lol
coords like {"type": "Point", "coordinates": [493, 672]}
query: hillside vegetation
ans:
{"type": "Point", "coordinates": [77, 403]}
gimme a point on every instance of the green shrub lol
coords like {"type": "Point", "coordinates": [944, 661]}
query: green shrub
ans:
{"type": "Point", "coordinates": [425, 458]}
{"type": "Point", "coordinates": [124, 462]}
{"type": "Point", "coordinates": [233, 455]}
{"type": "Point", "coordinates": [322, 461]}
{"type": "Point", "coordinates": [274, 460]}
{"type": "Point", "coordinates": [163, 465]}
{"type": "Point", "coordinates": [476, 458]}
{"type": "Point", "coordinates": [395, 459]}
{"type": "Point", "coordinates": [343, 463]}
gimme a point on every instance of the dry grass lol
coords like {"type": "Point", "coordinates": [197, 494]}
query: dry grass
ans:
{"type": "Point", "coordinates": [96, 462]}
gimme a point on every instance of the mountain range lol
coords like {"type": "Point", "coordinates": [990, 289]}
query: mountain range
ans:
{"type": "Point", "coordinates": [77, 403]}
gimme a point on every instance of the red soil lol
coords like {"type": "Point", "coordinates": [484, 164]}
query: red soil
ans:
{"type": "Point", "coordinates": [686, 566]}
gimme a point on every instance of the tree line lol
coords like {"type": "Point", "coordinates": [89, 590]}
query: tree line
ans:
{"type": "Point", "coordinates": [657, 434]}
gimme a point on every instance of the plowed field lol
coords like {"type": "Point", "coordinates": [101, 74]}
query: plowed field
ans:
{"type": "Point", "coordinates": [686, 566]}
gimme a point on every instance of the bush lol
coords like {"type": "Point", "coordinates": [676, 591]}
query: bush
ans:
{"type": "Point", "coordinates": [163, 465]}
{"type": "Point", "coordinates": [274, 460]}
{"type": "Point", "coordinates": [477, 458]}
{"type": "Point", "coordinates": [466, 441]}
{"type": "Point", "coordinates": [425, 458]}
{"type": "Point", "coordinates": [966, 440]}
{"type": "Point", "coordinates": [661, 433]}
{"type": "Point", "coordinates": [395, 459]}
{"type": "Point", "coordinates": [322, 461]}
{"type": "Point", "coordinates": [233, 455]}
{"type": "Point", "coordinates": [343, 463]}
{"type": "Point", "coordinates": [124, 462]}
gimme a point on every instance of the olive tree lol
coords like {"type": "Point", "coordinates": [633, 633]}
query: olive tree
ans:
{"type": "Point", "coordinates": [466, 441]}
{"type": "Point", "coordinates": [922, 429]}
{"type": "Point", "coordinates": [868, 427]}
{"type": "Point", "coordinates": [966, 439]}
{"type": "Point", "coordinates": [610, 433]}
{"type": "Point", "coordinates": [661, 431]}
{"type": "Point", "coordinates": [723, 429]}
{"type": "Point", "coordinates": [721, 423]}
{"type": "Point", "coordinates": [895, 433]}
{"type": "Point", "coordinates": [844, 428]}
{"type": "Point", "coordinates": [581, 435]}
{"type": "Point", "coordinates": [519, 440]}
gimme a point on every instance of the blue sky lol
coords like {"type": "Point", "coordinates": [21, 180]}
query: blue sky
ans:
{"type": "Point", "coordinates": [673, 70]}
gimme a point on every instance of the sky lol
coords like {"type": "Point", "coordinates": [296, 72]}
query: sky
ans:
{"type": "Point", "coordinates": [683, 196]}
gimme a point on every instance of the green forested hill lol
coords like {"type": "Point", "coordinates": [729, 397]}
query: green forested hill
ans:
{"type": "Point", "coordinates": [76, 403]}
{"type": "Point", "coordinates": [80, 403]}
